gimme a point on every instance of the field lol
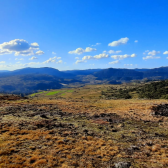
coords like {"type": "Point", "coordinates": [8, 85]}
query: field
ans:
{"type": "Point", "coordinates": [77, 127]}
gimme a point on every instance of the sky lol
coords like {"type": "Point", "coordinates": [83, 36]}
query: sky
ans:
{"type": "Point", "coordinates": [83, 34]}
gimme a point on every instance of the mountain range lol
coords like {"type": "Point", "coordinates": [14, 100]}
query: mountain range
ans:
{"type": "Point", "coordinates": [29, 80]}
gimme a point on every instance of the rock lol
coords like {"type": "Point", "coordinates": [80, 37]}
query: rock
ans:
{"type": "Point", "coordinates": [43, 116]}
{"type": "Point", "coordinates": [122, 165]}
{"type": "Point", "coordinates": [161, 109]}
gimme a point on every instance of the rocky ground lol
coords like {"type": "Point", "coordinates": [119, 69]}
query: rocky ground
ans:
{"type": "Point", "coordinates": [73, 133]}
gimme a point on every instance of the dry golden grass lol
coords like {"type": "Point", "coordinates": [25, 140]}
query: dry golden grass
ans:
{"type": "Point", "coordinates": [101, 145]}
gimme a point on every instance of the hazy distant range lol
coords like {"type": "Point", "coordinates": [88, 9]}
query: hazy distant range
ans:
{"type": "Point", "coordinates": [30, 80]}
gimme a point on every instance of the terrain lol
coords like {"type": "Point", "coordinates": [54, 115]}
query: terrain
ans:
{"type": "Point", "coordinates": [77, 127]}
{"type": "Point", "coordinates": [30, 80]}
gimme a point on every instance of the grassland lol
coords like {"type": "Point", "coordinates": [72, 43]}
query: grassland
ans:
{"type": "Point", "coordinates": [78, 128]}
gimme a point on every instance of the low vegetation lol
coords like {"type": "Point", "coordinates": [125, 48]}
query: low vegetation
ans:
{"type": "Point", "coordinates": [79, 128]}
{"type": "Point", "coordinates": [151, 90]}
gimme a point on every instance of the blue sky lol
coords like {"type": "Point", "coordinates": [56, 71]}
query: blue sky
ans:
{"type": "Point", "coordinates": [83, 34]}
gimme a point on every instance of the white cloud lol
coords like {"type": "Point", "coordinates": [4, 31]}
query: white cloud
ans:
{"type": "Point", "coordinates": [166, 52]}
{"type": "Point", "coordinates": [113, 52]}
{"type": "Point", "coordinates": [2, 62]}
{"type": "Point", "coordinates": [136, 41]}
{"type": "Point", "coordinates": [119, 42]}
{"type": "Point", "coordinates": [81, 50]}
{"type": "Point", "coordinates": [39, 52]}
{"type": "Point", "coordinates": [50, 60]}
{"type": "Point", "coordinates": [34, 45]}
{"type": "Point", "coordinates": [79, 61]}
{"type": "Point", "coordinates": [76, 57]}
{"type": "Point", "coordinates": [2, 52]}
{"type": "Point", "coordinates": [101, 56]}
{"type": "Point", "coordinates": [88, 57]}
{"type": "Point", "coordinates": [150, 57]}
{"type": "Point", "coordinates": [114, 62]}
{"type": "Point", "coordinates": [19, 47]}
{"type": "Point", "coordinates": [59, 58]}
{"type": "Point", "coordinates": [96, 44]}
{"type": "Point", "coordinates": [53, 53]}
{"type": "Point", "coordinates": [32, 58]}
{"type": "Point", "coordinates": [59, 62]}
{"type": "Point", "coordinates": [123, 56]}
{"type": "Point", "coordinates": [153, 52]}
{"type": "Point", "coordinates": [77, 51]}
{"type": "Point", "coordinates": [89, 49]}
{"type": "Point", "coordinates": [133, 55]}
{"type": "Point", "coordinates": [24, 53]}
{"type": "Point", "coordinates": [21, 59]}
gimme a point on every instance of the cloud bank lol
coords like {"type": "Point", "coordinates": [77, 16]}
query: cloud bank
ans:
{"type": "Point", "coordinates": [20, 47]}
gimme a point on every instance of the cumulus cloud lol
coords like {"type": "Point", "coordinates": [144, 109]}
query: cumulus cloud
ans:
{"type": "Point", "coordinates": [153, 52]}
{"type": "Point", "coordinates": [35, 45]}
{"type": "Point", "coordinates": [88, 57]}
{"type": "Point", "coordinates": [101, 56]}
{"type": "Point", "coordinates": [53, 53]}
{"type": "Point", "coordinates": [96, 44]}
{"type": "Point", "coordinates": [81, 50]}
{"type": "Point", "coordinates": [136, 41]}
{"type": "Point", "coordinates": [50, 60]}
{"type": "Point", "coordinates": [119, 42]}
{"type": "Point", "coordinates": [59, 62]}
{"type": "Point", "coordinates": [19, 47]}
{"type": "Point", "coordinates": [133, 55]}
{"type": "Point", "coordinates": [76, 57]}
{"type": "Point", "coordinates": [123, 56]}
{"type": "Point", "coordinates": [39, 52]}
{"type": "Point", "coordinates": [114, 62]}
{"type": "Point", "coordinates": [150, 57]}
{"type": "Point", "coordinates": [113, 52]}
{"type": "Point", "coordinates": [80, 61]}
{"type": "Point", "coordinates": [59, 58]}
{"type": "Point", "coordinates": [166, 52]}
{"type": "Point", "coordinates": [32, 58]}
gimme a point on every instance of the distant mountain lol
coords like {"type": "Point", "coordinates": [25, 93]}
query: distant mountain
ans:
{"type": "Point", "coordinates": [1, 71]}
{"type": "Point", "coordinates": [28, 83]}
{"type": "Point", "coordinates": [29, 80]}
{"type": "Point", "coordinates": [157, 73]}
{"type": "Point", "coordinates": [45, 70]}
{"type": "Point", "coordinates": [118, 74]}
{"type": "Point", "coordinates": [82, 72]}
{"type": "Point", "coordinates": [141, 70]}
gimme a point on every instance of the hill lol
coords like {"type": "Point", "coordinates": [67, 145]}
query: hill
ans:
{"type": "Point", "coordinates": [45, 70]}
{"type": "Point", "coordinates": [27, 84]}
{"type": "Point", "coordinates": [83, 72]}
{"type": "Point", "coordinates": [118, 74]}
